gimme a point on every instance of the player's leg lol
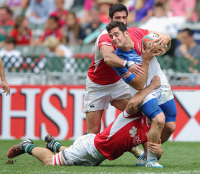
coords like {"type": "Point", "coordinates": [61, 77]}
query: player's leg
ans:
{"type": "Point", "coordinates": [93, 120]}
{"type": "Point", "coordinates": [169, 109]}
{"type": "Point", "coordinates": [151, 109]}
{"type": "Point", "coordinates": [27, 146]}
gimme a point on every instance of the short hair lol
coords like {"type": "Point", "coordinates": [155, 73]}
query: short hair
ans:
{"type": "Point", "coordinates": [122, 27]}
{"type": "Point", "coordinates": [9, 39]}
{"type": "Point", "coordinates": [117, 8]}
{"type": "Point", "coordinates": [189, 31]}
{"type": "Point", "coordinates": [159, 4]}
{"type": "Point", "coordinates": [55, 18]}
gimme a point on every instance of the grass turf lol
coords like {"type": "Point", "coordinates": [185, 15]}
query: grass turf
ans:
{"type": "Point", "coordinates": [178, 158]}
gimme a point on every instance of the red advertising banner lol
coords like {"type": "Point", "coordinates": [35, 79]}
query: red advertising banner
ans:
{"type": "Point", "coordinates": [34, 111]}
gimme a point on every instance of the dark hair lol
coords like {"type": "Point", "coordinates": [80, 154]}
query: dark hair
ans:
{"type": "Point", "coordinates": [117, 8]}
{"type": "Point", "coordinates": [55, 18]}
{"type": "Point", "coordinates": [159, 4]}
{"type": "Point", "coordinates": [122, 27]}
{"type": "Point", "coordinates": [9, 39]}
{"type": "Point", "coordinates": [189, 31]}
{"type": "Point", "coordinates": [8, 10]}
{"type": "Point", "coordinates": [18, 21]}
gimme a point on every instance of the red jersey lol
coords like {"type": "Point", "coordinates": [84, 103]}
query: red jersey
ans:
{"type": "Point", "coordinates": [122, 135]}
{"type": "Point", "coordinates": [57, 33]}
{"type": "Point", "coordinates": [99, 72]}
{"type": "Point", "coordinates": [23, 39]}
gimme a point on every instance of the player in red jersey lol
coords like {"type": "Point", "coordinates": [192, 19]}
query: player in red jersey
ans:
{"type": "Point", "coordinates": [126, 132]}
{"type": "Point", "coordinates": [103, 85]}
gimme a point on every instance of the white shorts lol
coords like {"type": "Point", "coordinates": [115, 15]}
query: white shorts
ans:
{"type": "Point", "coordinates": [162, 95]}
{"type": "Point", "coordinates": [83, 152]}
{"type": "Point", "coordinates": [97, 97]}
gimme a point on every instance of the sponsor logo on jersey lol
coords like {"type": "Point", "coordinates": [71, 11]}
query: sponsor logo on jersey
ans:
{"type": "Point", "coordinates": [92, 106]}
{"type": "Point", "coordinates": [126, 74]}
{"type": "Point", "coordinates": [133, 131]}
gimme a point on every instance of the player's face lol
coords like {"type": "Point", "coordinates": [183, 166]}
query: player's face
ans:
{"type": "Point", "coordinates": [118, 37]}
{"type": "Point", "coordinates": [120, 17]}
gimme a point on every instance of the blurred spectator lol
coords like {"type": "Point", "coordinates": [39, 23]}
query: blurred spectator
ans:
{"type": "Point", "coordinates": [78, 3]}
{"type": "Point", "coordinates": [9, 49]}
{"type": "Point", "coordinates": [104, 6]}
{"type": "Point", "coordinates": [56, 49]}
{"type": "Point", "coordinates": [184, 8]}
{"type": "Point", "coordinates": [141, 11]}
{"type": "Point", "coordinates": [21, 31]}
{"type": "Point", "coordinates": [72, 30]}
{"type": "Point", "coordinates": [163, 24]}
{"type": "Point", "coordinates": [88, 4]}
{"type": "Point", "coordinates": [6, 22]}
{"type": "Point", "coordinates": [53, 29]}
{"type": "Point", "coordinates": [188, 48]}
{"type": "Point", "coordinates": [94, 28]}
{"type": "Point", "coordinates": [60, 12]}
{"type": "Point", "coordinates": [40, 10]}
{"type": "Point", "coordinates": [13, 4]}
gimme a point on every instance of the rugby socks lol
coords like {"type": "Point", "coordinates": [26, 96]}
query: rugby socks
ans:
{"type": "Point", "coordinates": [54, 146]}
{"type": "Point", "coordinates": [27, 148]}
{"type": "Point", "coordinates": [151, 156]}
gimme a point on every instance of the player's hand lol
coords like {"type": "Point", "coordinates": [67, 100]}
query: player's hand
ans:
{"type": "Point", "coordinates": [137, 70]}
{"type": "Point", "coordinates": [156, 82]}
{"type": "Point", "coordinates": [162, 40]}
{"type": "Point", "coordinates": [155, 148]}
{"type": "Point", "coordinates": [5, 87]}
{"type": "Point", "coordinates": [148, 53]}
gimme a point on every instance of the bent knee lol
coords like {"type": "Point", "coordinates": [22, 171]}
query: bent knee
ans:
{"type": "Point", "coordinates": [170, 127]}
{"type": "Point", "coordinates": [159, 121]}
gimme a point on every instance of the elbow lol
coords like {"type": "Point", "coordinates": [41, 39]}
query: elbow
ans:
{"type": "Point", "coordinates": [107, 60]}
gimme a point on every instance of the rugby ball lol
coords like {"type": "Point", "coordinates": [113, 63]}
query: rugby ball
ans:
{"type": "Point", "coordinates": [147, 40]}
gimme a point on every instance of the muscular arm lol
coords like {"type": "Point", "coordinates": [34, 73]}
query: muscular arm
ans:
{"type": "Point", "coordinates": [110, 58]}
{"type": "Point", "coordinates": [133, 104]}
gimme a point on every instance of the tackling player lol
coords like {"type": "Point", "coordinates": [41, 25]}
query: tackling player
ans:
{"type": "Point", "coordinates": [159, 105]}
{"type": "Point", "coordinates": [126, 132]}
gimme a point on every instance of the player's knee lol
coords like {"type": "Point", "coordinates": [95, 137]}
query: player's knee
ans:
{"type": "Point", "coordinates": [159, 121]}
{"type": "Point", "coordinates": [170, 128]}
{"type": "Point", "coordinates": [47, 161]}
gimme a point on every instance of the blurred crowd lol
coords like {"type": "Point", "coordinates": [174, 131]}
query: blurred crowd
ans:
{"type": "Point", "coordinates": [56, 23]}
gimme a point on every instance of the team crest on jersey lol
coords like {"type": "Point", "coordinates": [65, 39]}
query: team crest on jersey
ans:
{"type": "Point", "coordinates": [126, 74]}
{"type": "Point", "coordinates": [133, 131]}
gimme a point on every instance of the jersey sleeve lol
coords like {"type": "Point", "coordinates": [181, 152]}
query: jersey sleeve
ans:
{"type": "Point", "coordinates": [126, 75]}
{"type": "Point", "coordinates": [104, 40]}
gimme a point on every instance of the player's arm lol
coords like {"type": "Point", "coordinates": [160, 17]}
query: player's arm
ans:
{"type": "Point", "coordinates": [147, 55]}
{"type": "Point", "coordinates": [4, 84]}
{"type": "Point", "coordinates": [113, 60]}
{"type": "Point", "coordinates": [133, 105]}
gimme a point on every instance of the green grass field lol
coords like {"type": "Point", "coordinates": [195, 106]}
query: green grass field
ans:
{"type": "Point", "coordinates": [178, 158]}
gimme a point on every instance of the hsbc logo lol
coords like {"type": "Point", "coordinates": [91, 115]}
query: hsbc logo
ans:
{"type": "Point", "coordinates": [188, 117]}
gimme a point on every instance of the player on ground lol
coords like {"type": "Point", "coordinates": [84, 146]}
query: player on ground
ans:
{"type": "Point", "coordinates": [127, 131]}
{"type": "Point", "coordinates": [4, 83]}
{"type": "Point", "coordinates": [159, 105]}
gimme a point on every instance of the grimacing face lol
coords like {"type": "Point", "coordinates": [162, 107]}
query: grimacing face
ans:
{"type": "Point", "coordinates": [118, 37]}
{"type": "Point", "coordinates": [120, 17]}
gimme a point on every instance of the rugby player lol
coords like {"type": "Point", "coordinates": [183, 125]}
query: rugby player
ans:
{"type": "Point", "coordinates": [159, 105]}
{"type": "Point", "coordinates": [126, 132]}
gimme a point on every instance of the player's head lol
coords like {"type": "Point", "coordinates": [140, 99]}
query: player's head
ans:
{"type": "Point", "coordinates": [118, 33]}
{"type": "Point", "coordinates": [118, 12]}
